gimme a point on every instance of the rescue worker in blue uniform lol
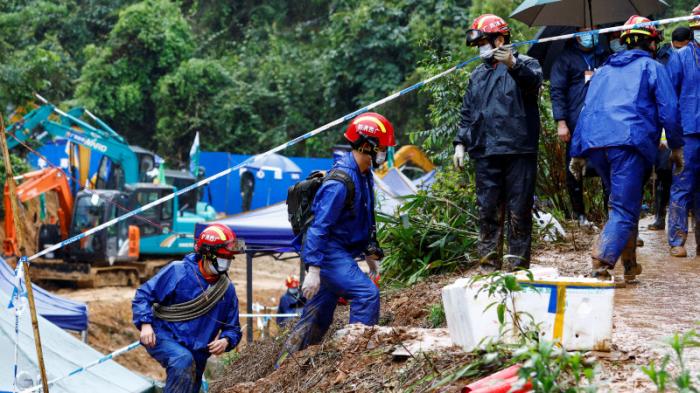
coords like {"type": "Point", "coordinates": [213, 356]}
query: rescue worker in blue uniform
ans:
{"type": "Point", "coordinates": [628, 102]}
{"type": "Point", "coordinates": [292, 302]}
{"type": "Point", "coordinates": [680, 37]}
{"type": "Point", "coordinates": [684, 70]}
{"type": "Point", "coordinates": [182, 342]}
{"type": "Point", "coordinates": [499, 128]}
{"type": "Point", "coordinates": [569, 79]}
{"type": "Point", "coordinates": [338, 234]}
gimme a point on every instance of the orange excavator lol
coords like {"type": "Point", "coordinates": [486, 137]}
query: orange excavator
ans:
{"type": "Point", "coordinates": [36, 183]}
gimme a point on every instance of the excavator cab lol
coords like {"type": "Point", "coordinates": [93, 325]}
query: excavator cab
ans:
{"type": "Point", "coordinates": [117, 243]}
{"type": "Point", "coordinates": [110, 174]}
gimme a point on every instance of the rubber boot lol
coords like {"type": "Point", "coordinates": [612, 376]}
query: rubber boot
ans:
{"type": "Point", "coordinates": [600, 270]}
{"type": "Point", "coordinates": [640, 242]}
{"type": "Point", "coordinates": [679, 252]}
{"type": "Point", "coordinates": [659, 223]}
{"type": "Point", "coordinates": [629, 261]}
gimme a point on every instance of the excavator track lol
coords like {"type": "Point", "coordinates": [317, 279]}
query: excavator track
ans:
{"type": "Point", "coordinates": [86, 276]}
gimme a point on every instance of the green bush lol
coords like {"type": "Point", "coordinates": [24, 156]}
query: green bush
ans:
{"type": "Point", "coordinates": [433, 233]}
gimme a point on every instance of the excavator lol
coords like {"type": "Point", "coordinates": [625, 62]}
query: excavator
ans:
{"type": "Point", "coordinates": [121, 165]}
{"type": "Point", "coordinates": [411, 161]}
{"type": "Point", "coordinates": [37, 183]}
{"type": "Point", "coordinates": [123, 182]}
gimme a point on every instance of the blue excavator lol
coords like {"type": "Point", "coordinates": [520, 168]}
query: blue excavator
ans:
{"type": "Point", "coordinates": [123, 181]}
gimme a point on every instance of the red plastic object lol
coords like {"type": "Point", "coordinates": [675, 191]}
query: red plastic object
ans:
{"type": "Point", "coordinates": [500, 382]}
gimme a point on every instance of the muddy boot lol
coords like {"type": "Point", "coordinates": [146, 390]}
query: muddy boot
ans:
{"type": "Point", "coordinates": [678, 252]}
{"type": "Point", "coordinates": [600, 270]}
{"type": "Point", "coordinates": [657, 225]}
{"type": "Point", "coordinates": [640, 242]}
{"type": "Point", "coordinates": [632, 270]}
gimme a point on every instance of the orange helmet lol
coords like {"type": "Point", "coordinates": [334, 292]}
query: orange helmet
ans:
{"type": "Point", "coordinates": [219, 240]}
{"type": "Point", "coordinates": [292, 282]}
{"type": "Point", "coordinates": [487, 24]}
{"type": "Point", "coordinates": [373, 126]}
{"type": "Point", "coordinates": [647, 31]}
{"type": "Point", "coordinates": [695, 22]}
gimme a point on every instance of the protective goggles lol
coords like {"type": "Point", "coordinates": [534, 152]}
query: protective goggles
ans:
{"type": "Point", "coordinates": [474, 36]}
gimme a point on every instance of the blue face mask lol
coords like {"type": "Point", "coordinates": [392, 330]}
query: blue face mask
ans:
{"type": "Point", "coordinates": [696, 36]}
{"type": "Point", "coordinates": [617, 46]}
{"type": "Point", "coordinates": [588, 41]}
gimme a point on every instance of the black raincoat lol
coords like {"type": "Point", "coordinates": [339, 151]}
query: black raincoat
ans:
{"type": "Point", "coordinates": [500, 129]}
{"type": "Point", "coordinates": [499, 113]}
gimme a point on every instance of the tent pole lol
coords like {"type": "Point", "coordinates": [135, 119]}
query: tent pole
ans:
{"type": "Point", "coordinates": [249, 294]}
{"type": "Point", "coordinates": [27, 279]}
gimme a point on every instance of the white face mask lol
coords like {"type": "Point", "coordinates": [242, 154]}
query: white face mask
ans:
{"type": "Point", "coordinates": [222, 265]}
{"type": "Point", "coordinates": [485, 51]}
{"type": "Point", "coordinates": [696, 36]}
{"type": "Point", "coordinates": [380, 157]}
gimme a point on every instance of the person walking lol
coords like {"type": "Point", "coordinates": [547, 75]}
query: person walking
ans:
{"type": "Point", "coordinates": [341, 229]}
{"type": "Point", "coordinates": [662, 169]}
{"type": "Point", "coordinates": [684, 69]}
{"type": "Point", "coordinates": [628, 102]}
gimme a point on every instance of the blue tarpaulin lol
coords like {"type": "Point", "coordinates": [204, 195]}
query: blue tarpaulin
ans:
{"type": "Point", "coordinates": [66, 314]}
{"type": "Point", "coordinates": [268, 229]}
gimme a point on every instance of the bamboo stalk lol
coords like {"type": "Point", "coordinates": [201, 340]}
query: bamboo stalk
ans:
{"type": "Point", "coordinates": [27, 278]}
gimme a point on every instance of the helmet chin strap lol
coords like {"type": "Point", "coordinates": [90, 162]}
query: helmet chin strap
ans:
{"type": "Point", "coordinates": [212, 265]}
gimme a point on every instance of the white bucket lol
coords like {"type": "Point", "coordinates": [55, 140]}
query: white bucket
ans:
{"type": "Point", "coordinates": [575, 311]}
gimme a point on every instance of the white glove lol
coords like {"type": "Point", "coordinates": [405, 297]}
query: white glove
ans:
{"type": "Point", "coordinates": [458, 158]}
{"type": "Point", "coordinates": [312, 282]}
{"type": "Point", "coordinates": [373, 264]}
{"type": "Point", "coordinates": [504, 54]}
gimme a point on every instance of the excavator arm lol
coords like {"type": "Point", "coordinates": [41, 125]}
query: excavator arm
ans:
{"type": "Point", "coordinates": [103, 140]}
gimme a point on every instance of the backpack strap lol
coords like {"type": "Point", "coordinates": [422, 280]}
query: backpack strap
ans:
{"type": "Point", "coordinates": [343, 177]}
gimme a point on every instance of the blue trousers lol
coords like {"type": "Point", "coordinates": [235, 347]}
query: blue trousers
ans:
{"type": "Point", "coordinates": [622, 170]}
{"type": "Point", "coordinates": [340, 277]}
{"type": "Point", "coordinates": [184, 368]}
{"type": "Point", "coordinates": [684, 193]}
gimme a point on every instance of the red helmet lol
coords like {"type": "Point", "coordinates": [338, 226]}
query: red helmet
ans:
{"type": "Point", "coordinates": [371, 125]}
{"type": "Point", "coordinates": [695, 22]}
{"type": "Point", "coordinates": [219, 240]}
{"type": "Point", "coordinates": [484, 25]}
{"type": "Point", "coordinates": [292, 282]}
{"type": "Point", "coordinates": [647, 31]}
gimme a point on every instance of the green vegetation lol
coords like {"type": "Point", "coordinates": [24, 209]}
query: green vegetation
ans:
{"type": "Point", "coordinates": [436, 315]}
{"type": "Point", "coordinates": [673, 371]}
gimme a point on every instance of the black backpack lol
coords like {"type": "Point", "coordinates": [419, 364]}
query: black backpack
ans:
{"type": "Point", "coordinates": [300, 197]}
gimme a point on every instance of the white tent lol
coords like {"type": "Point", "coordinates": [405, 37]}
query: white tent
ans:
{"type": "Point", "coordinates": [63, 353]}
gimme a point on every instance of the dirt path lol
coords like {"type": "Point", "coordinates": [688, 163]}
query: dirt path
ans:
{"type": "Point", "coordinates": [664, 302]}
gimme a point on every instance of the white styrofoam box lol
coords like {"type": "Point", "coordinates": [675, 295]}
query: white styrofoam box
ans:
{"type": "Point", "coordinates": [575, 311]}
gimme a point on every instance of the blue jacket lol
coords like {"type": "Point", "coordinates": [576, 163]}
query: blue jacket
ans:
{"type": "Point", "coordinates": [629, 100]}
{"type": "Point", "coordinates": [568, 85]}
{"type": "Point", "coordinates": [335, 228]}
{"type": "Point", "coordinates": [684, 69]}
{"type": "Point", "coordinates": [178, 282]}
{"type": "Point", "coordinates": [290, 304]}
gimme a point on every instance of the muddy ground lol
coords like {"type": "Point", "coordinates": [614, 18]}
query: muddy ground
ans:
{"type": "Point", "coordinates": [662, 303]}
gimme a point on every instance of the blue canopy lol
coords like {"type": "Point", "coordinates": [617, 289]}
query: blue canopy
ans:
{"type": "Point", "coordinates": [65, 313]}
{"type": "Point", "coordinates": [268, 229]}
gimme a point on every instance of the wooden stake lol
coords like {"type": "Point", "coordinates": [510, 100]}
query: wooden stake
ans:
{"type": "Point", "coordinates": [28, 282]}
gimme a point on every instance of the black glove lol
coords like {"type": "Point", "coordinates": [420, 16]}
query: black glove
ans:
{"type": "Point", "coordinates": [374, 250]}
